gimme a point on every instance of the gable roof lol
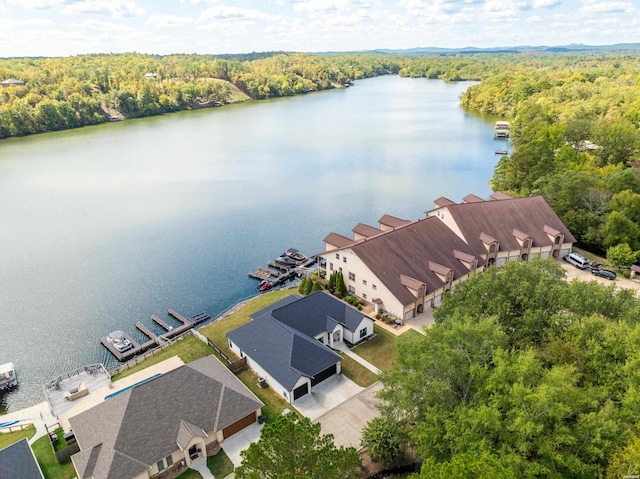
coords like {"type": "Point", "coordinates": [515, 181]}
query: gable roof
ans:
{"type": "Point", "coordinates": [392, 221]}
{"type": "Point", "coordinates": [337, 240]}
{"type": "Point", "coordinates": [122, 436]}
{"type": "Point", "coordinates": [17, 461]}
{"type": "Point", "coordinates": [408, 250]}
{"type": "Point", "coordinates": [527, 217]}
{"type": "Point", "coordinates": [365, 230]}
{"type": "Point", "coordinates": [286, 354]}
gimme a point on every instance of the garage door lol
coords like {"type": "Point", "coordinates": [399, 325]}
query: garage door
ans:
{"type": "Point", "coordinates": [327, 373]}
{"type": "Point", "coordinates": [300, 391]}
{"type": "Point", "coordinates": [239, 425]}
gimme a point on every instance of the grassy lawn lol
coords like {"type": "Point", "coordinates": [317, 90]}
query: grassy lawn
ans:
{"type": "Point", "coordinates": [50, 468]}
{"type": "Point", "coordinates": [381, 350]}
{"type": "Point", "coordinates": [188, 348]}
{"type": "Point", "coordinates": [216, 331]}
{"type": "Point", "coordinates": [274, 404]}
{"type": "Point", "coordinates": [357, 372]}
{"type": "Point", "coordinates": [8, 438]}
{"type": "Point", "coordinates": [190, 474]}
{"type": "Point", "coordinates": [220, 465]}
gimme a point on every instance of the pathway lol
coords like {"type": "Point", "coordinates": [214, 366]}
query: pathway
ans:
{"type": "Point", "coordinates": [343, 348]}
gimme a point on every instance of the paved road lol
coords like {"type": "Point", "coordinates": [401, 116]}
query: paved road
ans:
{"type": "Point", "coordinates": [346, 421]}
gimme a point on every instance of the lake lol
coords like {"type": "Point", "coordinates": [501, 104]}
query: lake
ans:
{"type": "Point", "coordinates": [104, 226]}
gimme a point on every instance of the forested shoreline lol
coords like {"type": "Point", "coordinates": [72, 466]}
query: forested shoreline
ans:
{"type": "Point", "coordinates": [575, 116]}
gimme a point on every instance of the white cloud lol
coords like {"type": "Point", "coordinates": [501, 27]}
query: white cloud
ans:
{"type": "Point", "coordinates": [113, 8]}
{"type": "Point", "coordinates": [591, 7]}
{"type": "Point", "coordinates": [224, 12]}
{"type": "Point", "coordinates": [161, 20]}
{"type": "Point", "coordinates": [199, 2]}
{"type": "Point", "coordinates": [35, 4]}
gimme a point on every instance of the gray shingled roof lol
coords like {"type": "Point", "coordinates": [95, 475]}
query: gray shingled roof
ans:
{"type": "Point", "coordinates": [283, 352]}
{"type": "Point", "coordinates": [407, 251]}
{"type": "Point", "coordinates": [18, 462]}
{"type": "Point", "coordinates": [499, 219]}
{"type": "Point", "coordinates": [122, 436]}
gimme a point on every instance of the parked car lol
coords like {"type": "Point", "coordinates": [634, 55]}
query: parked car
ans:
{"type": "Point", "coordinates": [604, 273]}
{"type": "Point", "coordinates": [577, 260]}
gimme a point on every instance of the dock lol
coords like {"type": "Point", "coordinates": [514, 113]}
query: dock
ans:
{"type": "Point", "coordinates": [155, 339]}
{"type": "Point", "coordinates": [263, 273]}
{"type": "Point", "coordinates": [286, 272]}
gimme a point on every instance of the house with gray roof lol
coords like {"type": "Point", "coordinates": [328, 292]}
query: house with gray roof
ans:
{"type": "Point", "coordinates": [17, 461]}
{"type": "Point", "coordinates": [407, 266]}
{"type": "Point", "coordinates": [290, 342]}
{"type": "Point", "coordinates": [162, 424]}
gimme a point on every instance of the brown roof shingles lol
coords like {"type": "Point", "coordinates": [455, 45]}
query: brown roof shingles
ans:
{"type": "Point", "coordinates": [392, 221]}
{"type": "Point", "coordinates": [337, 240]}
{"type": "Point", "coordinates": [499, 219]}
{"type": "Point", "coordinates": [408, 250]}
{"type": "Point", "coordinates": [365, 230]}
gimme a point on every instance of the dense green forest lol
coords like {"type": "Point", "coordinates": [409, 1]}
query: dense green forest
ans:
{"type": "Point", "coordinates": [61, 93]}
{"type": "Point", "coordinates": [575, 138]}
{"type": "Point", "coordinates": [524, 375]}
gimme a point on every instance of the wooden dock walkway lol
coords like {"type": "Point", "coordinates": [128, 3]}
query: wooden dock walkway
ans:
{"type": "Point", "coordinates": [155, 339]}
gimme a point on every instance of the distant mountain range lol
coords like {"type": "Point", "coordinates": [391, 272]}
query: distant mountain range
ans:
{"type": "Point", "coordinates": [574, 47]}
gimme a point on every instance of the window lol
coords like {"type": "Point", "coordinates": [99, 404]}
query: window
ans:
{"type": "Point", "coordinates": [331, 266]}
{"type": "Point", "coordinates": [364, 282]}
{"type": "Point", "coordinates": [352, 276]}
{"type": "Point", "coordinates": [169, 460]}
{"type": "Point", "coordinates": [492, 248]}
{"type": "Point", "coordinates": [557, 241]}
{"type": "Point", "coordinates": [363, 333]}
{"type": "Point", "coordinates": [525, 244]}
{"type": "Point", "coordinates": [340, 269]}
{"type": "Point", "coordinates": [160, 465]}
{"type": "Point", "coordinates": [337, 255]}
{"type": "Point", "coordinates": [352, 290]}
{"type": "Point", "coordinates": [374, 287]}
{"type": "Point", "coordinates": [364, 296]}
{"type": "Point", "coordinates": [344, 259]}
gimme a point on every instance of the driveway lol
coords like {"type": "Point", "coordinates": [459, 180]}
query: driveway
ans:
{"type": "Point", "coordinates": [346, 421]}
{"type": "Point", "coordinates": [327, 395]}
{"type": "Point", "coordinates": [585, 275]}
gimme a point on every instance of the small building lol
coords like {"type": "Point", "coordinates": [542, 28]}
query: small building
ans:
{"type": "Point", "coordinates": [17, 461]}
{"type": "Point", "coordinates": [11, 82]}
{"type": "Point", "coordinates": [150, 76]}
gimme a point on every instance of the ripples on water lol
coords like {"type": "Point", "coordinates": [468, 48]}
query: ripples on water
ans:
{"type": "Point", "coordinates": [104, 226]}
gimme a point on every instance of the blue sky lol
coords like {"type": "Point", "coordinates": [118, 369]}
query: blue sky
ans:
{"type": "Point", "coordinates": [71, 27]}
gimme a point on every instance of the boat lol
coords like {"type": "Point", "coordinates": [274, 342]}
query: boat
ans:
{"type": "Point", "coordinates": [119, 341]}
{"type": "Point", "coordinates": [295, 255]}
{"type": "Point", "coordinates": [8, 377]}
{"type": "Point", "coordinates": [266, 286]}
{"type": "Point", "coordinates": [502, 152]}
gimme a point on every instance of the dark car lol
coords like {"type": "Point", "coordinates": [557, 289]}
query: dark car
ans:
{"type": "Point", "coordinates": [604, 273]}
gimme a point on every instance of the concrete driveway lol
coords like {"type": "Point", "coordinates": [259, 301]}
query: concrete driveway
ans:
{"type": "Point", "coordinates": [327, 395]}
{"type": "Point", "coordinates": [585, 275]}
{"type": "Point", "coordinates": [346, 421]}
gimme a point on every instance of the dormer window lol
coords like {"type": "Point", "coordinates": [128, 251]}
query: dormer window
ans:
{"type": "Point", "coordinates": [556, 240]}
{"type": "Point", "coordinates": [493, 248]}
{"type": "Point", "coordinates": [526, 243]}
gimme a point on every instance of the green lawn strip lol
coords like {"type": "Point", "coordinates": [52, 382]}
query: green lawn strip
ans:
{"type": "Point", "coordinates": [50, 468]}
{"type": "Point", "coordinates": [189, 348]}
{"type": "Point", "coordinates": [190, 474]}
{"type": "Point", "coordinates": [357, 372]}
{"type": "Point", "coordinates": [220, 465]}
{"type": "Point", "coordinates": [216, 331]}
{"type": "Point", "coordinates": [274, 404]}
{"type": "Point", "coordinates": [8, 438]}
{"type": "Point", "coordinates": [379, 350]}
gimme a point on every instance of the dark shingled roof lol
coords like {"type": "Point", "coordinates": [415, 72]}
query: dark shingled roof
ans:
{"type": "Point", "coordinates": [122, 436]}
{"type": "Point", "coordinates": [337, 240]}
{"type": "Point", "coordinates": [286, 354]}
{"type": "Point", "coordinates": [499, 220]}
{"type": "Point", "coordinates": [365, 230]}
{"type": "Point", "coordinates": [408, 250]}
{"type": "Point", "coordinates": [18, 462]}
{"type": "Point", "coordinates": [392, 221]}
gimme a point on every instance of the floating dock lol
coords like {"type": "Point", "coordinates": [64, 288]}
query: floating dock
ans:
{"type": "Point", "coordinates": [283, 269]}
{"type": "Point", "coordinates": [155, 339]}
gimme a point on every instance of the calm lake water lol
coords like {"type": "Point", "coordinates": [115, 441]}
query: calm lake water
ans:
{"type": "Point", "coordinates": [104, 226]}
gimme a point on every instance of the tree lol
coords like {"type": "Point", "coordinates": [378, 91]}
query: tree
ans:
{"type": "Point", "coordinates": [317, 286]}
{"type": "Point", "coordinates": [341, 288]}
{"type": "Point", "coordinates": [292, 448]}
{"type": "Point", "coordinates": [385, 439]}
{"type": "Point", "coordinates": [621, 255]}
{"type": "Point", "coordinates": [303, 284]}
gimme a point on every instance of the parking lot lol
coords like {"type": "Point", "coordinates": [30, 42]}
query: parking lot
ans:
{"type": "Point", "coordinates": [585, 275]}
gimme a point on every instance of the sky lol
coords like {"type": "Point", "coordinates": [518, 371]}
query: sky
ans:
{"type": "Point", "coordinates": [73, 27]}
